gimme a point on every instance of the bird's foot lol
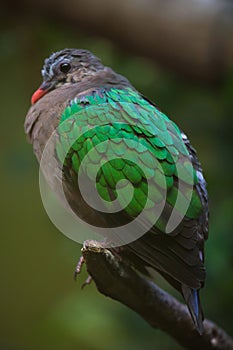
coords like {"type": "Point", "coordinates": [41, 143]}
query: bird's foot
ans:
{"type": "Point", "coordinates": [87, 282]}
{"type": "Point", "coordinates": [78, 270]}
{"type": "Point", "coordinates": [79, 266]}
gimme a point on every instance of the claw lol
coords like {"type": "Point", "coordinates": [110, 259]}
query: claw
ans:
{"type": "Point", "coordinates": [78, 268]}
{"type": "Point", "coordinates": [87, 282]}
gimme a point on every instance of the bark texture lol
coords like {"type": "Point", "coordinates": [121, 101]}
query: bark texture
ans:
{"type": "Point", "coordinates": [118, 281]}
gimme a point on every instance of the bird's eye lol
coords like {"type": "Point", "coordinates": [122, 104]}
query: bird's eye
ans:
{"type": "Point", "coordinates": [65, 67]}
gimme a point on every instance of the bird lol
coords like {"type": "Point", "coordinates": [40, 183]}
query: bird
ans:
{"type": "Point", "coordinates": [115, 116]}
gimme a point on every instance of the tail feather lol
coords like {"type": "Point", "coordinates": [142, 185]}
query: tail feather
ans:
{"type": "Point", "coordinates": [192, 299]}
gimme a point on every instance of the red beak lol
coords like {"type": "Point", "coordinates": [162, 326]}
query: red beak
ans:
{"type": "Point", "coordinates": [43, 89]}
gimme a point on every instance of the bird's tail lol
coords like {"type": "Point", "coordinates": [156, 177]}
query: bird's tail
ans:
{"type": "Point", "coordinates": [192, 299]}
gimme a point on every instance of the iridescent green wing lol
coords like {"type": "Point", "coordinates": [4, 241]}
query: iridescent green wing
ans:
{"type": "Point", "coordinates": [114, 135]}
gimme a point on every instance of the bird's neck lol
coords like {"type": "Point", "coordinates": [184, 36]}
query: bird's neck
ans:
{"type": "Point", "coordinates": [103, 78]}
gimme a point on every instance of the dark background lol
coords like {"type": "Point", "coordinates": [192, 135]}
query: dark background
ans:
{"type": "Point", "coordinates": [40, 304]}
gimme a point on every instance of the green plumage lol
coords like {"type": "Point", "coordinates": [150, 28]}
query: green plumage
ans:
{"type": "Point", "coordinates": [122, 124]}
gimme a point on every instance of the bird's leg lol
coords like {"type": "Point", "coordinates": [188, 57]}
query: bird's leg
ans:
{"type": "Point", "coordinates": [78, 270]}
{"type": "Point", "coordinates": [87, 282]}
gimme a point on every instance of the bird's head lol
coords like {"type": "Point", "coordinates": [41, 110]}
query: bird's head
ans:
{"type": "Point", "coordinates": [67, 66]}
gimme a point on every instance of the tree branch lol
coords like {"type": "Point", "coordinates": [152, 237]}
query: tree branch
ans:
{"type": "Point", "coordinates": [118, 281]}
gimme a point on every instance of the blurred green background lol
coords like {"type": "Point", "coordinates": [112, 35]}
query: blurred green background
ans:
{"type": "Point", "coordinates": [40, 304]}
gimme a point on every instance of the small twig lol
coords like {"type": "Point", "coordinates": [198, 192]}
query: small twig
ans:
{"type": "Point", "coordinates": [117, 280]}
